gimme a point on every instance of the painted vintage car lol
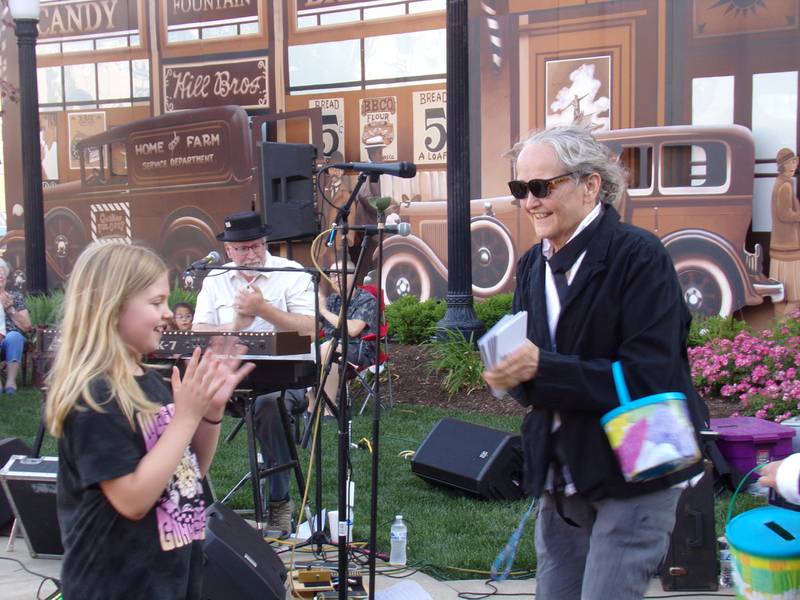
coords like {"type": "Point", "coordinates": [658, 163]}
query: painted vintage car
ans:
{"type": "Point", "coordinates": [166, 181]}
{"type": "Point", "coordinates": [691, 186]}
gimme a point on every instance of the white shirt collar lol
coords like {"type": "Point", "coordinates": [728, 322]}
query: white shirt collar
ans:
{"type": "Point", "coordinates": [547, 247]}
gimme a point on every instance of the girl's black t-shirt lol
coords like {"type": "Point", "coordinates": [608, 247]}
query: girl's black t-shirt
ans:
{"type": "Point", "coordinates": [105, 554]}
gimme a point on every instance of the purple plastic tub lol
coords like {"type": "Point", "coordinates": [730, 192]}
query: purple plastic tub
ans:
{"type": "Point", "coordinates": [748, 441]}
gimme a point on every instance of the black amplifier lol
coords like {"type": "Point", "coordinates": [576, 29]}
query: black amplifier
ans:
{"type": "Point", "coordinates": [30, 486]}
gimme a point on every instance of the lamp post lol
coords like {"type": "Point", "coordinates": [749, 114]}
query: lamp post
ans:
{"type": "Point", "coordinates": [26, 17]}
{"type": "Point", "coordinates": [460, 315]}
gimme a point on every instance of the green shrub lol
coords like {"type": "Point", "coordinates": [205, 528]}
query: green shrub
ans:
{"type": "Point", "coordinates": [776, 409]}
{"type": "Point", "coordinates": [457, 359]}
{"type": "Point", "coordinates": [414, 322]}
{"type": "Point", "coordinates": [492, 309]}
{"type": "Point", "coordinates": [178, 294]}
{"type": "Point", "coordinates": [45, 309]}
{"type": "Point", "coordinates": [705, 329]}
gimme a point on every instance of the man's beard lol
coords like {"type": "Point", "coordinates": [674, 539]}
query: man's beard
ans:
{"type": "Point", "coordinates": [251, 274]}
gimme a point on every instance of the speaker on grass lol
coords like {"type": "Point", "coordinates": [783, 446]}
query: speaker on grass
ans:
{"type": "Point", "coordinates": [287, 185]}
{"type": "Point", "coordinates": [30, 485]}
{"type": "Point", "coordinates": [479, 460]}
{"type": "Point", "coordinates": [238, 563]}
{"type": "Point", "coordinates": [9, 447]}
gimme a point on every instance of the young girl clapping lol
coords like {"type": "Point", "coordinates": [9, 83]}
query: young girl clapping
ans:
{"type": "Point", "coordinates": [131, 454]}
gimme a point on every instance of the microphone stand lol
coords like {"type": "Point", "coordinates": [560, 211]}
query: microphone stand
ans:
{"type": "Point", "coordinates": [344, 412]}
{"type": "Point", "coordinates": [343, 409]}
{"type": "Point", "coordinates": [376, 414]}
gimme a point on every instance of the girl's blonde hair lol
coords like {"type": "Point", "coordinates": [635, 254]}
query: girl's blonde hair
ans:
{"type": "Point", "coordinates": [105, 277]}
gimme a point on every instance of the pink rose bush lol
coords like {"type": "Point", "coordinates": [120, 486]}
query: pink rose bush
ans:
{"type": "Point", "coordinates": [756, 369]}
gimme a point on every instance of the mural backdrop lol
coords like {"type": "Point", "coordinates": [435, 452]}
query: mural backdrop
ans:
{"type": "Point", "coordinates": [153, 114]}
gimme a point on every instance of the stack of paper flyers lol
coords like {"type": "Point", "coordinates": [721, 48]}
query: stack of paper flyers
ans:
{"type": "Point", "coordinates": [505, 337]}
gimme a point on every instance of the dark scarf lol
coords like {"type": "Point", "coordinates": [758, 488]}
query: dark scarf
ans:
{"type": "Point", "coordinates": [561, 262]}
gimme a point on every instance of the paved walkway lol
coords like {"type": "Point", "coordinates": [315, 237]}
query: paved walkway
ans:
{"type": "Point", "coordinates": [17, 584]}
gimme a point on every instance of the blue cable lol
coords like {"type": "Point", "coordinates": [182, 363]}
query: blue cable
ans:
{"type": "Point", "coordinates": [505, 558]}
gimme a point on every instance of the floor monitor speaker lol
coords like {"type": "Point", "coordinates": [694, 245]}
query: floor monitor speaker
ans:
{"type": "Point", "coordinates": [30, 487]}
{"type": "Point", "coordinates": [238, 562]}
{"type": "Point", "coordinates": [9, 447]}
{"type": "Point", "coordinates": [479, 460]}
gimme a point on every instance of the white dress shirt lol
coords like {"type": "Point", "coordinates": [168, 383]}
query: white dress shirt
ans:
{"type": "Point", "coordinates": [553, 314]}
{"type": "Point", "coordinates": [291, 292]}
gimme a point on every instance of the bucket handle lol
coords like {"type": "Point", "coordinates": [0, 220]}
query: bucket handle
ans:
{"type": "Point", "coordinates": [736, 493]}
{"type": "Point", "coordinates": [619, 382]}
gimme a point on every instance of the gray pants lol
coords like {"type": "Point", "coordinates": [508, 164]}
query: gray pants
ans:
{"type": "Point", "coordinates": [613, 554]}
{"type": "Point", "coordinates": [272, 438]}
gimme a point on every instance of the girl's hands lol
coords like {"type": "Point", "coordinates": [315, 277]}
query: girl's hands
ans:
{"type": "Point", "coordinates": [230, 371]}
{"type": "Point", "coordinates": [192, 393]}
{"type": "Point", "coordinates": [209, 380]}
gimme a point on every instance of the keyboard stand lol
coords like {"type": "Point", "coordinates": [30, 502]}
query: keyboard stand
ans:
{"type": "Point", "coordinates": [257, 472]}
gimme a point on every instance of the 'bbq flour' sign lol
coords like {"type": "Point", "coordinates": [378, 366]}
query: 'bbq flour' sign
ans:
{"type": "Point", "coordinates": [378, 121]}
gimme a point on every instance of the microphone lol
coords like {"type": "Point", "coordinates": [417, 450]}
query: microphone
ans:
{"type": "Point", "coordinates": [402, 228]}
{"type": "Point", "coordinates": [211, 258]}
{"type": "Point", "coordinates": [406, 170]}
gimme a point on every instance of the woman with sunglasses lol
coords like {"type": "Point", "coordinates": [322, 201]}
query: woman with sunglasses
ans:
{"type": "Point", "coordinates": [596, 291]}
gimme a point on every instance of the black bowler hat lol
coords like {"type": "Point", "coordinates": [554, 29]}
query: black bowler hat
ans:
{"type": "Point", "coordinates": [243, 227]}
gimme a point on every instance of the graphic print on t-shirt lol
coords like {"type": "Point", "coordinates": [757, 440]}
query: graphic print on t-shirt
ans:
{"type": "Point", "coordinates": [180, 512]}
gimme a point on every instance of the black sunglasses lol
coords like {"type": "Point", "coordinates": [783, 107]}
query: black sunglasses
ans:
{"type": "Point", "coordinates": [540, 188]}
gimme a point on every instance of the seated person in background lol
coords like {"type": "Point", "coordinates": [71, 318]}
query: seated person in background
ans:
{"type": "Point", "coordinates": [17, 324]}
{"type": "Point", "coordinates": [255, 301]}
{"type": "Point", "coordinates": [183, 313]}
{"type": "Point", "coordinates": [361, 315]}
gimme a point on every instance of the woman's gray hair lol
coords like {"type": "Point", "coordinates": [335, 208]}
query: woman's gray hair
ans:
{"type": "Point", "coordinates": [579, 152]}
{"type": "Point", "coordinates": [4, 266]}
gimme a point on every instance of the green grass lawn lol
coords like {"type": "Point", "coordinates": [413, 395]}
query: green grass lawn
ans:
{"type": "Point", "coordinates": [448, 532]}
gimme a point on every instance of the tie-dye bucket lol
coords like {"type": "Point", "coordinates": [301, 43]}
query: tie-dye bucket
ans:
{"type": "Point", "coordinates": [651, 436]}
{"type": "Point", "coordinates": [765, 552]}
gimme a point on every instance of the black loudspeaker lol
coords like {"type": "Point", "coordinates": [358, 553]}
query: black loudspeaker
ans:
{"type": "Point", "coordinates": [479, 460]}
{"type": "Point", "coordinates": [9, 447]}
{"type": "Point", "coordinates": [30, 486]}
{"type": "Point", "coordinates": [691, 561]}
{"type": "Point", "coordinates": [287, 185]}
{"type": "Point", "coordinates": [238, 563]}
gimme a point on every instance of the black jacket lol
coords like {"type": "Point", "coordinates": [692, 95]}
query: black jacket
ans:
{"type": "Point", "coordinates": [624, 304]}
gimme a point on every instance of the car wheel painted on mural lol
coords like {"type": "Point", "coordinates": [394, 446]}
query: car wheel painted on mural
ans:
{"type": "Point", "coordinates": [186, 239]}
{"type": "Point", "coordinates": [13, 252]}
{"type": "Point", "coordinates": [493, 257]}
{"type": "Point", "coordinates": [706, 286]}
{"type": "Point", "coordinates": [406, 272]}
{"type": "Point", "coordinates": [65, 239]}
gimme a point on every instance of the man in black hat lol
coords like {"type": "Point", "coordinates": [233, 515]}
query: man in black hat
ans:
{"type": "Point", "coordinates": [254, 301]}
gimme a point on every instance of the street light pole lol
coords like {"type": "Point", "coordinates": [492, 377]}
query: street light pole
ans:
{"type": "Point", "coordinates": [26, 17]}
{"type": "Point", "coordinates": [460, 315]}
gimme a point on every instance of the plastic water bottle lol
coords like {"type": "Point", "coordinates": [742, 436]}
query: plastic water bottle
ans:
{"type": "Point", "coordinates": [398, 536]}
{"type": "Point", "coordinates": [725, 566]}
